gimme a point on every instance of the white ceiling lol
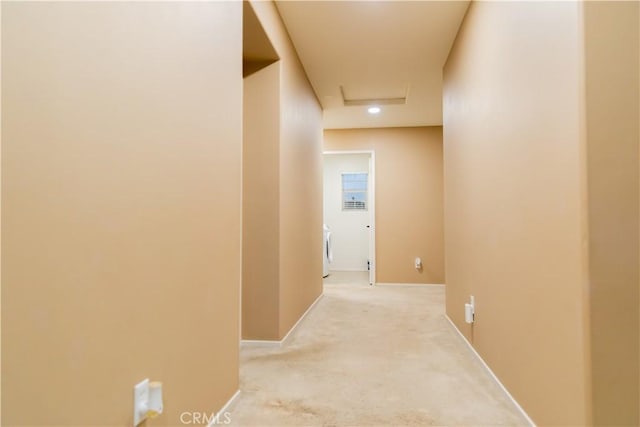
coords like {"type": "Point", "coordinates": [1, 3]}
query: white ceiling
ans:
{"type": "Point", "coordinates": [374, 50]}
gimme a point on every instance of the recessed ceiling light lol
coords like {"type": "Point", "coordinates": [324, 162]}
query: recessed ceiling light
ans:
{"type": "Point", "coordinates": [373, 110]}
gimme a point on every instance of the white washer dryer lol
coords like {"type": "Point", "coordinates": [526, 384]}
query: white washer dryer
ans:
{"type": "Point", "coordinates": [327, 256]}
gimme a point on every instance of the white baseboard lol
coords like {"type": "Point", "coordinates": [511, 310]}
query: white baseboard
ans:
{"type": "Point", "coordinates": [283, 341]}
{"type": "Point", "coordinates": [348, 270]}
{"type": "Point", "coordinates": [488, 369]}
{"type": "Point", "coordinates": [260, 343]}
{"type": "Point", "coordinates": [220, 413]}
{"type": "Point", "coordinates": [410, 284]}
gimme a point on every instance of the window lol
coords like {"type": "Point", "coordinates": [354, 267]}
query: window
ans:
{"type": "Point", "coordinates": [354, 191]}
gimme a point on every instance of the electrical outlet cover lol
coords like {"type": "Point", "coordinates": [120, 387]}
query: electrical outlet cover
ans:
{"type": "Point", "coordinates": [140, 400]}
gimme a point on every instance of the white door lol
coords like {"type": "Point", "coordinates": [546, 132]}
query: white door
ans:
{"type": "Point", "coordinates": [347, 209]}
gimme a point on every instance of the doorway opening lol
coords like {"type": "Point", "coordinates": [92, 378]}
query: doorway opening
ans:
{"type": "Point", "coordinates": [349, 215]}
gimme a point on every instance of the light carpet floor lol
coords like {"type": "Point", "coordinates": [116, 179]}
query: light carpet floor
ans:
{"type": "Point", "coordinates": [371, 356]}
{"type": "Point", "coordinates": [347, 278]}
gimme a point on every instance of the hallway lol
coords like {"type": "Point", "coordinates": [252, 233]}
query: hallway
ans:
{"type": "Point", "coordinates": [366, 356]}
{"type": "Point", "coordinates": [163, 211]}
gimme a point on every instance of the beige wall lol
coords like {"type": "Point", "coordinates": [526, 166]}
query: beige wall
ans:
{"type": "Point", "coordinates": [612, 97]}
{"type": "Point", "coordinates": [409, 198]}
{"type": "Point", "coordinates": [514, 206]}
{"type": "Point", "coordinates": [261, 204]}
{"type": "Point", "coordinates": [300, 175]}
{"type": "Point", "coordinates": [121, 208]}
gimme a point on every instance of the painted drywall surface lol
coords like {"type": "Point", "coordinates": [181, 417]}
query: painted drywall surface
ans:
{"type": "Point", "coordinates": [612, 97]}
{"type": "Point", "coordinates": [300, 177]}
{"type": "Point", "coordinates": [261, 207]}
{"type": "Point", "coordinates": [409, 198]}
{"type": "Point", "coordinates": [513, 138]}
{"type": "Point", "coordinates": [349, 232]}
{"type": "Point", "coordinates": [121, 206]}
{"type": "Point", "coordinates": [0, 204]}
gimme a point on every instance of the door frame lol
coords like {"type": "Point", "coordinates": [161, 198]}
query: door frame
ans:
{"type": "Point", "coordinates": [372, 205]}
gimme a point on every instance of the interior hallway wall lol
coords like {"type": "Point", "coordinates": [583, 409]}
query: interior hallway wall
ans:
{"type": "Point", "coordinates": [121, 131]}
{"type": "Point", "coordinates": [514, 200]}
{"type": "Point", "coordinates": [349, 232]}
{"type": "Point", "coordinates": [613, 116]}
{"type": "Point", "coordinates": [409, 198]}
{"type": "Point", "coordinates": [261, 204]}
{"type": "Point", "coordinates": [300, 175]}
